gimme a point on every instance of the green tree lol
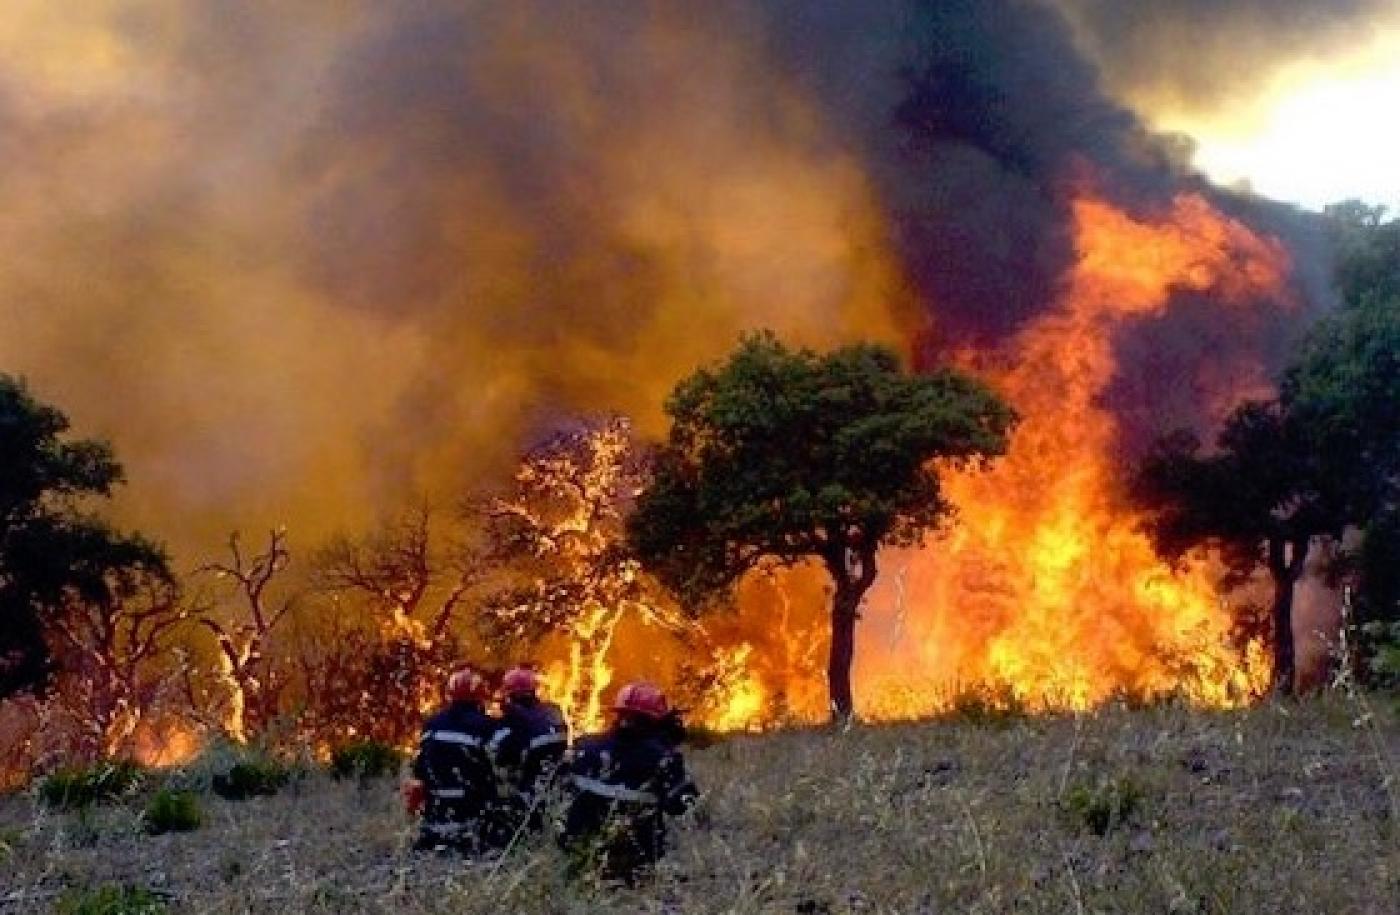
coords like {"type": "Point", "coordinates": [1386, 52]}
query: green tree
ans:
{"type": "Point", "coordinates": [1345, 388]}
{"type": "Point", "coordinates": [51, 553]}
{"type": "Point", "coordinates": [1261, 499]}
{"type": "Point", "coordinates": [1368, 253]}
{"type": "Point", "coordinates": [1321, 460]}
{"type": "Point", "coordinates": [781, 456]}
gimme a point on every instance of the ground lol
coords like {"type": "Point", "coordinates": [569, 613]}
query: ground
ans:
{"type": "Point", "coordinates": [1280, 808]}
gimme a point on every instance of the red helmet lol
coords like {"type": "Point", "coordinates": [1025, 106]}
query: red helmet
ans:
{"type": "Point", "coordinates": [520, 680]}
{"type": "Point", "coordinates": [465, 685]}
{"type": "Point", "coordinates": [642, 699]}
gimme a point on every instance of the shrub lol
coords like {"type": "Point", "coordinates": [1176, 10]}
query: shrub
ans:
{"type": "Point", "coordinates": [9, 841]}
{"type": "Point", "coordinates": [69, 789]}
{"type": "Point", "coordinates": [364, 759]}
{"type": "Point", "coordinates": [1383, 665]}
{"type": "Point", "coordinates": [252, 778]}
{"type": "Point", "coordinates": [111, 900]}
{"type": "Point", "coordinates": [172, 811]}
{"type": "Point", "coordinates": [1103, 807]}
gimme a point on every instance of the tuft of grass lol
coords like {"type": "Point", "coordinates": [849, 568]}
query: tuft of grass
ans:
{"type": "Point", "coordinates": [9, 841]}
{"type": "Point", "coordinates": [252, 777]}
{"type": "Point", "coordinates": [1103, 807]}
{"type": "Point", "coordinates": [111, 900]}
{"type": "Point", "coordinates": [941, 816]}
{"type": "Point", "coordinates": [366, 759]}
{"type": "Point", "coordinates": [172, 811]}
{"type": "Point", "coordinates": [77, 788]}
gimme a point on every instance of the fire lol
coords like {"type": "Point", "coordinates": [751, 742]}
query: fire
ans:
{"type": "Point", "coordinates": [1045, 593]}
{"type": "Point", "coordinates": [1045, 588]}
{"type": "Point", "coordinates": [738, 698]}
{"type": "Point", "coordinates": [166, 743]}
{"type": "Point", "coordinates": [587, 673]}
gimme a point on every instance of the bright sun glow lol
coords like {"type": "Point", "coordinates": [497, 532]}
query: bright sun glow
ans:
{"type": "Point", "coordinates": [1321, 134]}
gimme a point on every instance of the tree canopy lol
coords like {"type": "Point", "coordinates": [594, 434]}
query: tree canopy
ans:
{"type": "Point", "coordinates": [51, 551]}
{"type": "Point", "coordinates": [1345, 387]}
{"type": "Point", "coordinates": [1259, 499]}
{"type": "Point", "coordinates": [1321, 459]}
{"type": "Point", "coordinates": [782, 456]}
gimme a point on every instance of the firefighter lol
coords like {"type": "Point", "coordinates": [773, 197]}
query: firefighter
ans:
{"type": "Point", "coordinates": [529, 746]}
{"type": "Point", "coordinates": [624, 783]}
{"type": "Point", "coordinates": [454, 784]}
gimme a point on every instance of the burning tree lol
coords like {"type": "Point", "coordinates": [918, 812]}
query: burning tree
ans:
{"type": "Point", "coordinates": [1299, 471]}
{"type": "Point", "coordinates": [1261, 499]}
{"type": "Point", "coordinates": [114, 662]}
{"type": "Point", "coordinates": [779, 457]}
{"type": "Point", "coordinates": [560, 535]}
{"type": "Point", "coordinates": [414, 579]}
{"type": "Point", "coordinates": [242, 632]}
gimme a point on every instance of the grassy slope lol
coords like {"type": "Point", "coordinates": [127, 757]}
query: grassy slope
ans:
{"type": "Point", "coordinates": [1279, 809]}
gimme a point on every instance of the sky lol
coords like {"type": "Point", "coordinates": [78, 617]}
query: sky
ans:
{"type": "Point", "coordinates": [1319, 133]}
{"type": "Point", "coordinates": [1298, 99]}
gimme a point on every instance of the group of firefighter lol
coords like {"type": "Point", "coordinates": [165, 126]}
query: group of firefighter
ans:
{"type": "Point", "coordinates": [480, 781]}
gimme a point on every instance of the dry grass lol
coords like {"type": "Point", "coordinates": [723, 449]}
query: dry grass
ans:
{"type": "Point", "coordinates": [1283, 808]}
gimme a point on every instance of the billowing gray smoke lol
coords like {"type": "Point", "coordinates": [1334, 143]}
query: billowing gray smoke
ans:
{"type": "Point", "coordinates": [303, 259]}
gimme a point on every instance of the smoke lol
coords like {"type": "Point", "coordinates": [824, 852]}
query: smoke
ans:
{"type": "Point", "coordinates": [303, 259]}
{"type": "Point", "coordinates": [1202, 55]}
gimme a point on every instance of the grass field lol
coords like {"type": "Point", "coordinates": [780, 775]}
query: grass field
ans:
{"type": "Point", "coordinates": [1282, 808]}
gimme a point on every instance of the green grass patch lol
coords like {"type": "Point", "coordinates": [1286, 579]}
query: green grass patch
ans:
{"type": "Point", "coordinates": [252, 778]}
{"type": "Point", "coordinates": [365, 759]}
{"type": "Point", "coordinates": [73, 789]}
{"type": "Point", "coordinates": [172, 811]}
{"type": "Point", "coordinates": [111, 900]}
{"type": "Point", "coordinates": [1102, 807]}
{"type": "Point", "coordinates": [9, 841]}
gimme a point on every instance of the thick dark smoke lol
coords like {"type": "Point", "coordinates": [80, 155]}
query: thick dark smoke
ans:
{"type": "Point", "coordinates": [304, 259]}
{"type": "Point", "coordinates": [978, 119]}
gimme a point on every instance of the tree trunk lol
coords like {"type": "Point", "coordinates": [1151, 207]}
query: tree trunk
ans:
{"type": "Point", "coordinates": [844, 610]}
{"type": "Point", "coordinates": [853, 572]}
{"type": "Point", "coordinates": [1286, 562]}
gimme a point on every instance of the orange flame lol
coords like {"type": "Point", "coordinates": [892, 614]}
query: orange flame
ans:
{"type": "Point", "coordinates": [166, 743]}
{"type": "Point", "coordinates": [1045, 593]}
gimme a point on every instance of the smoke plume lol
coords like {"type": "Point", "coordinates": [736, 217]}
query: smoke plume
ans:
{"type": "Point", "coordinates": [302, 259]}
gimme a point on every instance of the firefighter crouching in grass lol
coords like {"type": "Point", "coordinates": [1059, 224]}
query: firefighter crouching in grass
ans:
{"type": "Point", "coordinates": [453, 784]}
{"type": "Point", "coordinates": [623, 784]}
{"type": "Point", "coordinates": [529, 746]}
